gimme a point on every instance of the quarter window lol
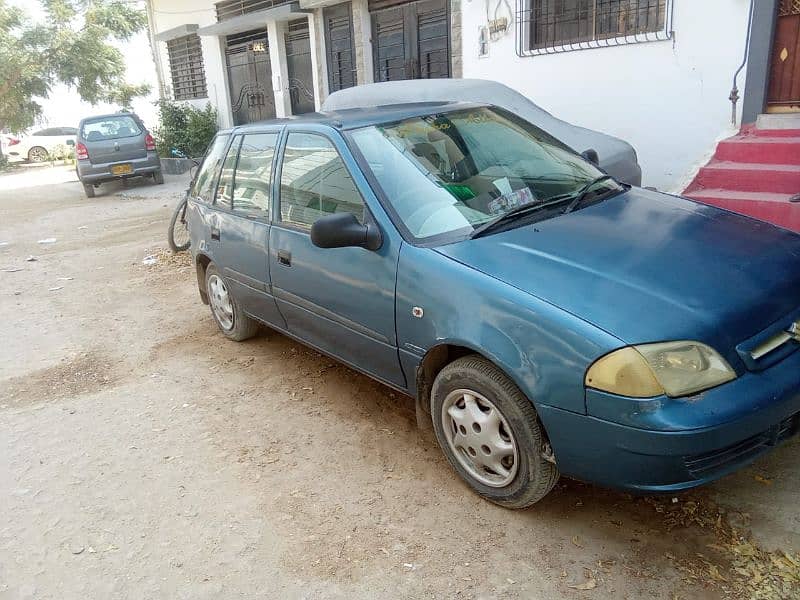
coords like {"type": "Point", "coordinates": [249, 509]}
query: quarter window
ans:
{"type": "Point", "coordinates": [204, 182]}
{"type": "Point", "coordinates": [226, 176]}
{"type": "Point", "coordinates": [315, 182]}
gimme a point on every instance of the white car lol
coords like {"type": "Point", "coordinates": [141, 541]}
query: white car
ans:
{"type": "Point", "coordinates": [41, 145]}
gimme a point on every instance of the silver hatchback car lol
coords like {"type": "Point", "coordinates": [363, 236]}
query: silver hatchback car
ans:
{"type": "Point", "coordinates": [116, 146]}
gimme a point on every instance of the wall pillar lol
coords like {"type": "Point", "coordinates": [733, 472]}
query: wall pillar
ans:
{"type": "Point", "coordinates": [319, 67]}
{"type": "Point", "coordinates": [765, 18]}
{"type": "Point", "coordinates": [276, 32]}
{"type": "Point", "coordinates": [362, 42]}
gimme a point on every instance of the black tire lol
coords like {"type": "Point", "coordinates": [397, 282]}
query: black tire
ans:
{"type": "Point", "coordinates": [158, 177]}
{"type": "Point", "coordinates": [535, 476]}
{"type": "Point", "coordinates": [243, 327]}
{"type": "Point", "coordinates": [182, 243]}
{"type": "Point", "coordinates": [89, 190]}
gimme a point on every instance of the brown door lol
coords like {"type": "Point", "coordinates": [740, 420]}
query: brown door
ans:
{"type": "Point", "coordinates": [784, 80]}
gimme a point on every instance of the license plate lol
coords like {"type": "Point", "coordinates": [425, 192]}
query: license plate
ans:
{"type": "Point", "coordinates": [122, 169]}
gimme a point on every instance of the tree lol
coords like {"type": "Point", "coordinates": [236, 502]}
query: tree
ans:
{"type": "Point", "coordinates": [73, 45]}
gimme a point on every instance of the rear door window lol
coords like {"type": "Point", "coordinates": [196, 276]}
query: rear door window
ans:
{"type": "Point", "coordinates": [110, 128]}
{"type": "Point", "coordinates": [251, 191]}
{"type": "Point", "coordinates": [203, 186]}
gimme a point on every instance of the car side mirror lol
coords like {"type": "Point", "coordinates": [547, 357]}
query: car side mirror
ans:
{"type": "Point", "coordinates": [70, 142]}
{"type": "Point", "coordinates": [592, 156]}
{"type": "Point", "coordinates": [342, 230]}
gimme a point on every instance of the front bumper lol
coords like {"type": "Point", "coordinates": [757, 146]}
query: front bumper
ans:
{"type": "Point", "coordinates": [666, 445]}
{"type": "Point", "coordinates": [101, 172]}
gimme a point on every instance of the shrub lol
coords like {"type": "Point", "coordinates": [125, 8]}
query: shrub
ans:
{"type": "Point", "coordinates": [185, 128]}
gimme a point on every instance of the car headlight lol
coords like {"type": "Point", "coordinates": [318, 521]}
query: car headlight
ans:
{"type": "Point", "coordinates": [672, 368]}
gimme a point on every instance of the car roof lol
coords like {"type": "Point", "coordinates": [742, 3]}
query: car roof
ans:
{"type": "Point", "coordinates": [108, 116]}
{"type": "Point", "coordinates": [353, 118]}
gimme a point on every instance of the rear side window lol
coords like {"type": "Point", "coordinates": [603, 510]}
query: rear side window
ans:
{"type": "Point", "coordinates": [203, 186]}
{"type": "Point", "coordinates": [225, 185]}
{"type": "Point", "coordinates": [251, 191]}
{"type": "Point", "coordinates": [110, 128]}
{"type": "Point", "coordinates": [315, 182]}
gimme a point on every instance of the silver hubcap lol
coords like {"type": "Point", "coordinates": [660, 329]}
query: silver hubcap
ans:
{"type": "Point", "coordinates": [220, 302]}
{"type": "Point", "coordinates": [480, 438]}
{"type": "Point", "coordinates": [38, 155]}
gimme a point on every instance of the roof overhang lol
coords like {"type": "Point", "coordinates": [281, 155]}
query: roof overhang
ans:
{"type": "Point", "coordinates": [254, 20]}
{"type": "Point", "coordinates": [176, 32]}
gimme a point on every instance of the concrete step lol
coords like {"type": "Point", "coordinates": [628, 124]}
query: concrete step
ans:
{"type": "Point", "coordinates": [785, 121]}
{"type": "Point", "coordinates": [748, 177]}
{"type": "Point", "coordinates": [760, 150]}
{"type": "Point", "coordinates": [770, 207]}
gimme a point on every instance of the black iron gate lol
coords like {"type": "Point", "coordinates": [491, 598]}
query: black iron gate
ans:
{"type": "Point", "coordinates": [410, 40]}
{"type": "Point", "coordinates": [339, 45]}
{"type": "Point", "coordinates": [298, 66]}
{"type": "Point", "coordinates": [250, 77]}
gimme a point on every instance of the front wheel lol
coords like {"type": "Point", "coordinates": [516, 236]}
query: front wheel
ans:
{"type": "Point", "coordinates": [227, 312]}
{"type": "Point", "coordinates": [178, 232]}
{"type": "Point", "coordinates": [490, 433]}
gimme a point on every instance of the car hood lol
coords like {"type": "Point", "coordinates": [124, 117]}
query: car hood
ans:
{"type": "Point", "coordinates": [649, 267]}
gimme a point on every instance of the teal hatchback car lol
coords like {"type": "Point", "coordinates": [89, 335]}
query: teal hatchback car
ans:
{"type": "Point", "coordinates": [548, 319]}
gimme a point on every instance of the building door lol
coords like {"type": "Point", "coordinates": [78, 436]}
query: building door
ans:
{"type": "Point", "coordinates": [298, 65]}
{"type": "Point", "coordinates": [339, 46]}
{"type": "Point", "coordinates": [784, 80]}
{"type": "Point", "coordinates": [410, 40]}
{"type": "Point", "coordinates": [250, 77]}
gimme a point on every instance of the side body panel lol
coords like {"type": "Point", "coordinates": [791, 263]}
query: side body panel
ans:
{"type": "Point", "coordinates": [545, 350]}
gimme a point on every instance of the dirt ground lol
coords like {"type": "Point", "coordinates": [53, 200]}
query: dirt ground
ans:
{"type": "Point", "coordinates": [144, 456]}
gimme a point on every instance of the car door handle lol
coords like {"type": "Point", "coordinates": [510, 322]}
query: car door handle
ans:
{"type": "Point", "coordinates": [215, 233]}
{"type": "Point", "coordinates": [285, 257]}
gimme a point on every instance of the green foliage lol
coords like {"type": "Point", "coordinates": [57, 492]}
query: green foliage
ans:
{"type": "Point", "coordinates": [72, 46]}
{"type": "Point", "coordinates": [185, 128]}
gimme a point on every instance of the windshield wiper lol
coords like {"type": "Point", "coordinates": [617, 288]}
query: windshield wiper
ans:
{"type": "Point", "coordinates": [512, 215]}
{"type": "Point", "coordinates": [580, 196]}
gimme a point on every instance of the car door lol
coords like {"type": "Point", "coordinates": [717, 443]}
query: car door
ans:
{"type": "Point", "coordinates": [240, 239]}
{"type": "Point", "coordinates": [340, 300]}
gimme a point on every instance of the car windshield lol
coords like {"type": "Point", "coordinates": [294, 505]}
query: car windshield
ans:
{"type": "Point", "coordinates": [110, 128]}
{"type": "Point", "coordinates": [451, 172]}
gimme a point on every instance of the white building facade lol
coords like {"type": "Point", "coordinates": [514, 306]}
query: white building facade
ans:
{"type": "Point", "coordinates": [657, 73]}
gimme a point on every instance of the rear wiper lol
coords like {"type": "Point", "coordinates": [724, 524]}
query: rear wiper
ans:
{"type": "Point", "coordinates": [580, 196]}
{"type": "Point", "coordinates": [513, 214]}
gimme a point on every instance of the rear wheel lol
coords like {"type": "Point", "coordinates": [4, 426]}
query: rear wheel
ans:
{"type": "Point", "coordinates": [37, 154]}
{"type": "Point", "coordinates": [232, 322]}
{"type": "Point", "coordinates": [491, 434]}
{"type": "Point", "coordinates": [178, 233]}
{"type": "Point", "coordinates": [89, 190]}
{"type": "Point", "coordinates": [158, 177]}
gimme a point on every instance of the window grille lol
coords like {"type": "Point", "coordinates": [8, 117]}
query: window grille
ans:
{"type": "Point", "coordinates": [788, 7]}
{"type": "Point", "coordinates": [186, 68]}
{"type": "Point", "coordinates": [550, 26]}
{"type": "Point", "coordinates": [230, 9]}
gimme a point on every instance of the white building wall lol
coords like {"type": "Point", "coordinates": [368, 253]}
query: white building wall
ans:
{"type": "Point", "coordinates": [668, 98]}
{"type": "Point", "coordinates": [169, 14]}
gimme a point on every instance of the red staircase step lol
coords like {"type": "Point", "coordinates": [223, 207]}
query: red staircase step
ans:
{"type": "Point", "coordinates": [773, 208]}
{"type": "Point", "coordinates": [749, 177]}
{"type": "Point", "coordinates": [758, 149]}
{"type": "Point", "coordinates": [776, 133]}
